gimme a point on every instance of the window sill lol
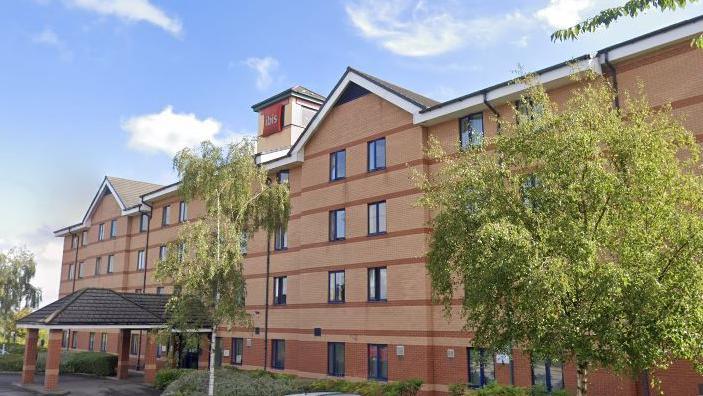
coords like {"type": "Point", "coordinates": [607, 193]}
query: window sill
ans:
{"type": "Point", "coordinates": [337, 179]}
{"type": "Point", "coordinates": [337, 239]}
{"type": "Point", "coordinates": [378, 233]}
{"type": "Point", "coordinates": [335, 302]}
{"type": "Point", "coordinates": [376, 170]}
{"type": "Point", "coordinates": [383, 301]}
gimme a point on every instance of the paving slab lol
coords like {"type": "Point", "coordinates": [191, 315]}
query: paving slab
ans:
{"type": "Point", "coordinates": [79, 385]}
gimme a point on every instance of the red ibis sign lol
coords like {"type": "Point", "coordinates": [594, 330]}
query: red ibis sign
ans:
{"type": "Point", "coordinates": [273, 118]}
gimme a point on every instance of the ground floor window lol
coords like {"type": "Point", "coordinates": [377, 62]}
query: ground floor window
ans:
{"type": "Point", "coordinates": [278, 354]}
{"type": "Point", "coordinates": [335, 359]}
{"type": "Point", "coordinates": [134, 344]}
{"type": "Point", "coordinates": [74, 340]}
{"type": "Point", "coordinates": [103, 342]}
{"type": "Point", "coordinates": [548, 374]}
{"type": "Point", "coordinates": [237, 350]}
{"type": "Point", "coordinates": [481, 367]}
{"type": "Point", "coordinates": [64, 339]}
{"type": "Point", "coordinates": [91, 341]}
{"type": "Point", "coordinates": [378, 362]}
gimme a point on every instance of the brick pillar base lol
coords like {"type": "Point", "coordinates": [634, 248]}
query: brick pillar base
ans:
{"type": "Point", "coordinates": [30, 356]}
{"type": "Point", "coordinates": [150, 358]}
{"type": "Point", "coordinates": [123, 354]}
{"type": "Point", "coordinates": [204, 357]}
{"type": "Point", "coordinates": [53, 359]}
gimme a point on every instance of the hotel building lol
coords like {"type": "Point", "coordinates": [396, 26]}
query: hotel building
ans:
{"type": "Point", "coordinates": [349, 295]}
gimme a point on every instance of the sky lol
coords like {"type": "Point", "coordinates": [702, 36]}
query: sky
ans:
{"type": "Point", "coordinates": [90, 88]}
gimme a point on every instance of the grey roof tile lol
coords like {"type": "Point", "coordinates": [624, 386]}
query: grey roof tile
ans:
{"type": "Point", "coordinates": [130, 191]}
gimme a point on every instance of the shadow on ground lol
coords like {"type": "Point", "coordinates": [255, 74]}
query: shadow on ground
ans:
{"type": "Point", "coordinates": [82, 385]}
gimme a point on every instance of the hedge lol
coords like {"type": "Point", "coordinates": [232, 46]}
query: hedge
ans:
{"type": "Point", "coordinates": [165, 376]}
{"type": "Point", "coordinates": [98, 363]}
{"type": "Point", "coordinates": [230, 381]}
{"type": "Point", "coordinates": [502, 390]}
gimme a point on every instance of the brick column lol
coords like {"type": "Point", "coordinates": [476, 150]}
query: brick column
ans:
{"type": "Point", "coordinates": [53, 359]}
{"type": "Point", "coordinates": [204, 357]}
{"type": "Point", "coordinates": [30, 356]}
{"type": "Point", "coordinates": [150, 358]}
{"type": "Point", "coordinates": [123, 339]}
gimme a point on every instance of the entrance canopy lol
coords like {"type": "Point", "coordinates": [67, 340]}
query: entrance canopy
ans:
{"type": "Point", "coordinates": [97, 308]}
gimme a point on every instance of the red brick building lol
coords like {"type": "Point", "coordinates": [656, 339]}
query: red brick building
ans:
{"type": "Point", "coordinates": [349, 295]}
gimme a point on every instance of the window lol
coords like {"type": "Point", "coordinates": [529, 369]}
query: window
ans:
{"type": "Point", "coordinates": [337, 224]}
{"type": "Point", "coordinates": [338, 165]}
{"type": "Point", "coordinates": [335, 358]}
{"type": "Point", "coordinates": [336, 290]}
{"type": "Point", "coordinates": [110, 264]}
{"type": "Point", "coordinates": [143, 222]}
{"type": "Point", "coordinates": [165, 215]}
{"type": "Point", "coordinates": [159, 290]}
{"type": "Point", "coordinates": [244, 243]}
{"type": "Point", "coordinates": [282, 177]}
{"type": "Point", "coordinates": [64, 339]}
{"type": "Point", "coordinates": [159, 349]}
{"type": "Point", "coordinates": [138, 291]}
{"type": "Point", "coordinates": [74, 242]}
{"type": "Point", "coordinates": [377, 154]}
{"type": "Point", "coordinates": [471, 130]}
{"type": "Point", "coordinates": [84, 237]}
{"type": "Point", "coordinates": [280, 239]}
{"type": "Point", "coordinates": [103, 342]}
{"type": "Point", "coordinates": [528, 109]}
{"type": "Point", "coordinates": [182, 211]}
{"type": "Point", "coordinates": [97, 265]}
{"type": "Point", "coordinates": [101, 232]}
{"type": "Point", "coordinates": [377, 218]}
{"type": "Point", "coordinates": [278, 354]}
{"type": "Point", "coordinates": [377, 284]}
{"type": "Point", "coordinates": [528, 185]}
{"type": "Point", "coordinates": [237, 350]}
{"type": "Point", "coordinates": [113, 229]}
{"type": "Point", "coordinates": [141, 264]}
{"type": "Point", "coordinates": [163, 252]}
{"type": "Point", "coordinates": [74, 340]}
{"type": "Point", "coordinates": [378, 362]}
{"type": "Point", "coordinates": [91, 341]}
{"type": "Point", "coordinates": [548, 374]}
{"type": "Point", "coordinates": [280, 286]}
{"type": "Point", "coordinates": [134, 344]}
{"type": "Point", "coordinates": [70, 272]}
{"type": "Point", "coordinates": [481, 367]}
{"type": "Point", "coordinates": [181, 251]}
{"type": "Point", "coordinates": [81, 269]}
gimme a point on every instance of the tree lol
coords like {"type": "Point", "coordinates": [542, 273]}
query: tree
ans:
{"type": "Point", "coordinates": [631, 8]}
{"type": "Point", "coordinates": [205, 262]}
{"type": "Point", "coordinates": [579, 237]}
{"type": "Point", "coordinates": [17, 268]}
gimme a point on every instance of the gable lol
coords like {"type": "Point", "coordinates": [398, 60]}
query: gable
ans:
{"type": "Point", "coordinates": [106, 207]}
{"type": "Point", "coordinates": [351, 92]}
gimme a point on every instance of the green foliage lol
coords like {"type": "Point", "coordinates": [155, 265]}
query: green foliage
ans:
{"type": "Point", "coordinates": [259, 383]}
{"type": "Point", "coordinates": [502, 390]}
{"type": "Point", "coordinates": [631, 8]}
{"type": "Point", "coordinates": [205, 262]}
{"type": "Point", "coordinates": [165, 376]}
{"type": "Point", "coordinates": [11, 362]}
{"type": "Point", "coordinates": [17, 268]}
{"type": "Point", "coordinates": [599, 261]}
{"type": "Point", "coordinates": [97, 363]}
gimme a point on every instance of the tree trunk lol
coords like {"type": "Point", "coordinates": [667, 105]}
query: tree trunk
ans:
{"type": "Point", "coordinates": [213, 345]}
{"type": "Point", "coordinates": [581, 378]}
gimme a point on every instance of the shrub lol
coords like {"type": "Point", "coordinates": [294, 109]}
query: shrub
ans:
{"type": "Point", "coordinates": [11, 362]}
{"type": "Point", "coordinates": [165, 376]}
{"type": "Point", "coordinates": [98, 363]}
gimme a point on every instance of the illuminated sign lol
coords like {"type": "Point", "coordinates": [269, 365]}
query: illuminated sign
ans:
{"type": "Point", "coordinates": [273, 118]}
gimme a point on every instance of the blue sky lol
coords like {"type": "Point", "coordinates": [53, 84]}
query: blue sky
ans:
{"type": "Point", "coordinates": [114, 87]}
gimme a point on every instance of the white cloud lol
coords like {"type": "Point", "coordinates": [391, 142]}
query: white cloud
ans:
{"type": "Point", "coordinates": [264, 68]}
{"type": "Point", "coordinates": [132, 11]}
{"type": "Point", "coordinates": [415, 28]}
{"type": "Point", "coordinates": [169, 132]}
{"type": "Point", "coordinates": [48, 37]}
{"type": "Point", "coordinates": [560, 14]}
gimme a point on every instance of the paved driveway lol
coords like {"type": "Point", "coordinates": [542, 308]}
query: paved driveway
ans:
{"type": "Point", "coordinates": [82, 386]}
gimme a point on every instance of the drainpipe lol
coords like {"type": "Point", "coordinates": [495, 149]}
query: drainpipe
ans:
{"type": "Point", "coordinates": [266, 310]}
{"type": "Point", "coordinates": [73, 287]}
{"type": "Point", "coordinates": [613, 72]}
{"type": "Point", "coordinates": [490, 106]}
{"type": "Point", "coordinates": [146, 265]}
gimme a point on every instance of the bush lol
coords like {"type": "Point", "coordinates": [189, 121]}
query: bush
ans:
{"type": "Point", "coordinates": [233, 382]}
{"type": "Point", "coordinates": [165, 376]}
{"type": "Point", "coordinates": [11, 362]}
{"type": "Point", "coordinates": [98, 363]}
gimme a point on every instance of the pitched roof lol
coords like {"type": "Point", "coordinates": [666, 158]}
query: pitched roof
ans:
{"type": "Point", "coordinates": [130, 191]}
{"type": "Point", "coordinates": [297, 90]}
{"type": "Point", "coordinates": [100, 307]}
{"type": "Point", "coordinates": [420, 100]}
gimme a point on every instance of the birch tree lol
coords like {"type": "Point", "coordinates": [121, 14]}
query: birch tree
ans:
{"type": "Point", "coordinates": [205, 262]}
